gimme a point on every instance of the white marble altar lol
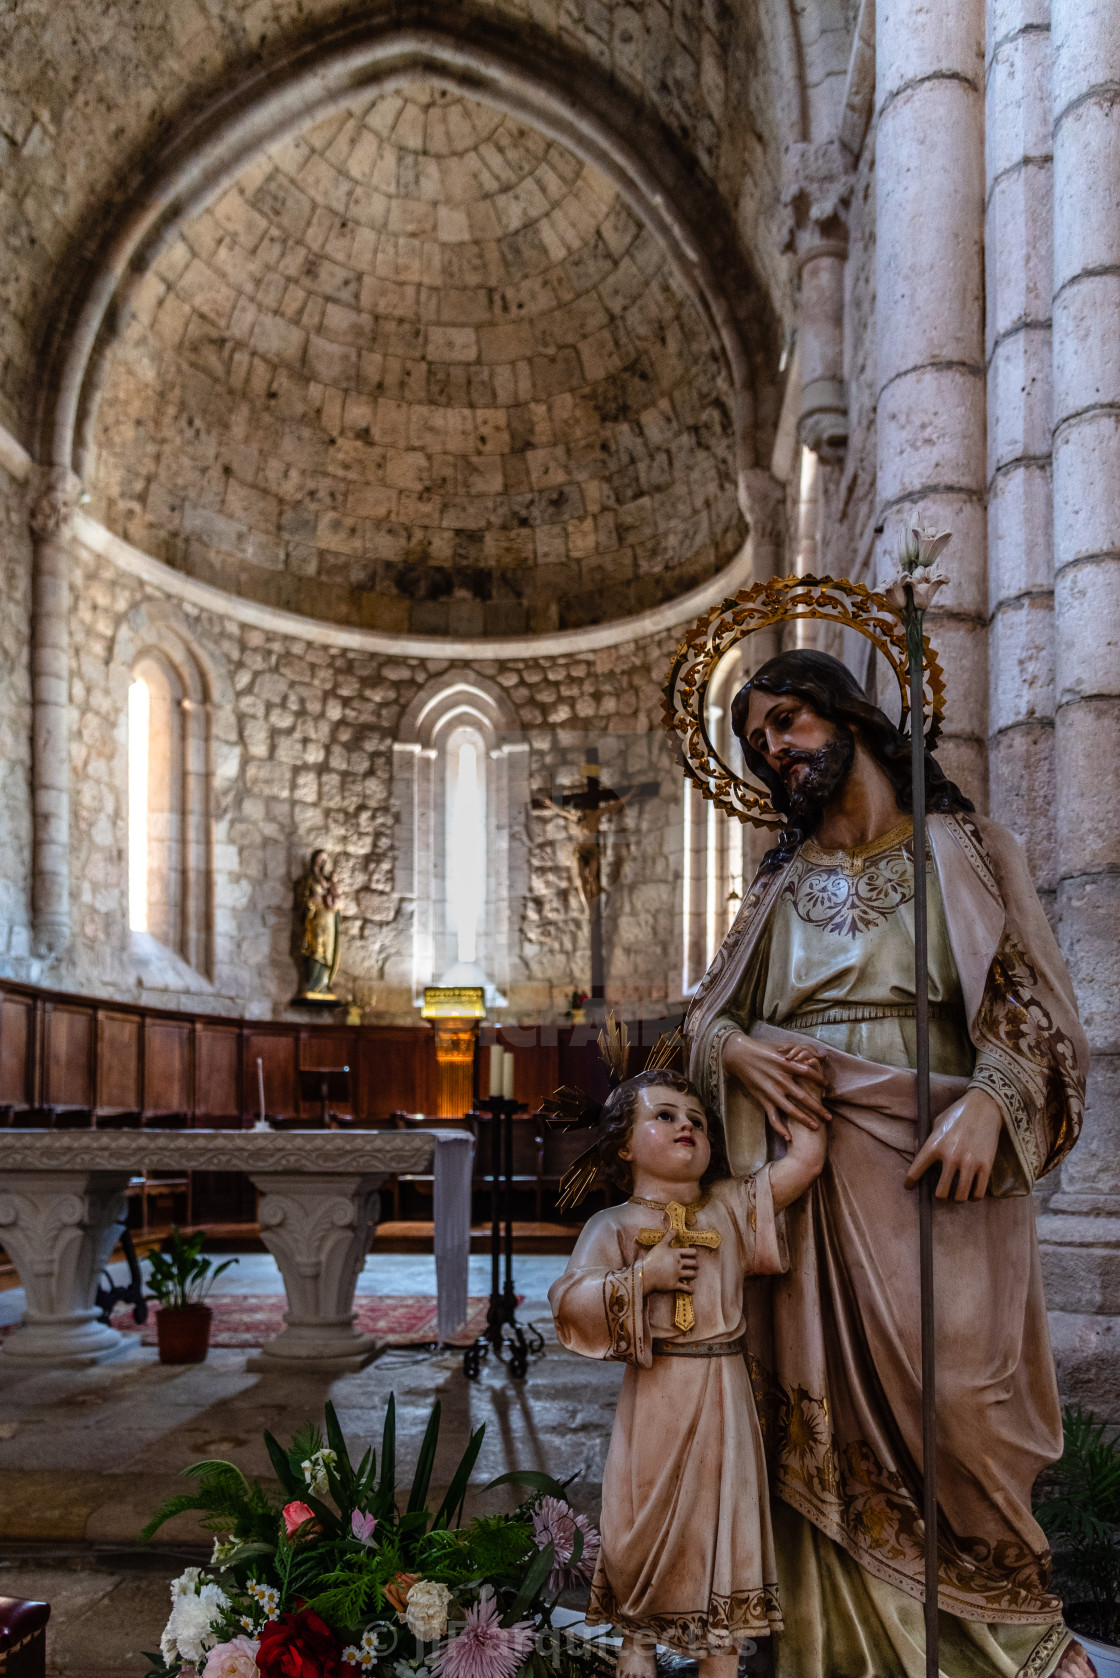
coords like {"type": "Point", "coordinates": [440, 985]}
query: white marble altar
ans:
{"type": "Point", "coordinates": [62, 1208]}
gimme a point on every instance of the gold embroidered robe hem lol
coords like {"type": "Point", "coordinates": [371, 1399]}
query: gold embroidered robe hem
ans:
{"type": "Point", "coordinates": [750, 1614]}
{"type": "Point", "coordinates": [687, 1549]}
{"type": "Point", "coordinates": [851, 1624]}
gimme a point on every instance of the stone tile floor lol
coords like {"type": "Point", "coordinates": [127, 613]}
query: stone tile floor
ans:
{"type": "Point", "coordinates": [86, 1455]}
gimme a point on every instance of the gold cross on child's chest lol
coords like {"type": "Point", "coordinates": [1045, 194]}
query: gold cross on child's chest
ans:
{"type": "Point", "coordinates": [684, 1315]}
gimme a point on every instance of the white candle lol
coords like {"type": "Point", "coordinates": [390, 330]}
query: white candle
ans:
{"type": "Point", "coordinates": [497, 1054]}
{"type": "Point", "coordinates": [260, 1084]}
{"type": "Point", "coordinates": [507, 1075]}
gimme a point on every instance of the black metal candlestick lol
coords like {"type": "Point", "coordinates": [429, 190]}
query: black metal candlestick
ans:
{"type": "Point", "coordinates": [509, 1340]}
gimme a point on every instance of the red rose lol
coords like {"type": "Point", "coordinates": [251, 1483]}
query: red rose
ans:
{"type": "Point", "coordinates": [299, 1518]}
{"type": "Point", "coordinates": [300, 1646]}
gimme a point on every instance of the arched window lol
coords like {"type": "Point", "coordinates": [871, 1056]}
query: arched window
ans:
{"type": "Point", "coordinates": [461, 870]}
{"type": "Point", "coordinates": [155, 803]}
{"type": "Point", "coordinates": [169, 839]}
{"type": "Point", "coordinates": [465, 762]}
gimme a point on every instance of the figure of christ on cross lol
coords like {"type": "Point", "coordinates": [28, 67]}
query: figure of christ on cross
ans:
{"type": "Point", "coordinates": [586, 811]}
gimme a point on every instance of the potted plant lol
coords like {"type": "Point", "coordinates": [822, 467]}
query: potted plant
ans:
{"type": "Point", "coordinates": [1080, 1513]}
{"type": "Point", "coordinates": [180, 1278]}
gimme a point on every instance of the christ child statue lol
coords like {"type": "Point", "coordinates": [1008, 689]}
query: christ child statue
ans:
{"type": "Point", "coordinates": [687, 1555]}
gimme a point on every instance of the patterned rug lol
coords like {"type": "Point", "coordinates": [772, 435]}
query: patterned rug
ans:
{"type": "Point", "coordinates": [249, 1319]}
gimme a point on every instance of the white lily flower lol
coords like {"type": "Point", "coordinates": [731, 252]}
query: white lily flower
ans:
{"type": "Point", "coordinates": [924, 590]}
{"type": "Point", "coordinates": [919, 547]}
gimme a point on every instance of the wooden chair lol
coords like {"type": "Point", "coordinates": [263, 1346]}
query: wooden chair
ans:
{"type": "Point", "coordinates": [23, 1637]}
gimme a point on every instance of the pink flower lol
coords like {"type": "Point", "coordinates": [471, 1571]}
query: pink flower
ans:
{"type": "Point", "coordinates": [297, 1515]}
{"type": "Point", "coordinates": [362, 1525]}
{"type": "Point", "coordinates": [556, 1523]}
{"type": "Point", "coordinates": [485, 1648]}
{"type": "Point", "coordinates": [235, 1659]}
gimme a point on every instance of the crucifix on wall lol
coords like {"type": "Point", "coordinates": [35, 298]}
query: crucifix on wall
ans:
{"type": "Point", "coordinates": [586, 811]}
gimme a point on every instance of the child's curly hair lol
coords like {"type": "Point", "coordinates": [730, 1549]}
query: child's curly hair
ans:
{"type": "Point", "coordinates": [616, 1126]}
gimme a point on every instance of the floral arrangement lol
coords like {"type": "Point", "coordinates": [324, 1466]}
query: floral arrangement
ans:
{"type": "Point", "coordinates": [339, 1579]}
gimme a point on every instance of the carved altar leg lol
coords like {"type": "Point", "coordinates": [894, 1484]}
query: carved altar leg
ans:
{"type": "Point", "coordinates": [59, 1229]}
{"type": "Point", "coordinates": [318, 1229]}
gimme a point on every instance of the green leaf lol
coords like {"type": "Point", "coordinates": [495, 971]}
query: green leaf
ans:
{"type": "Point", "coordinates": [534, 1582]}
{"type": "Point", "coordinates": [288, 1478]}
{"type": "Point", "coordinates": [457, 1490]}
{"type": "Point", "coordinates": [341, 1476]}
{"type": "Point", "coordinates": [218, 1466]}
{"type": "Point", "coordinates": [387, 1490]}
{"type": "Point", "coordinates": [425, 1462]}
{"type": "Point", "coordinates": [542, 1483]}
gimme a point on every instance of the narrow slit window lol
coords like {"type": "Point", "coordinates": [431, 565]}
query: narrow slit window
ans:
{"type": "Point", "coordinates": [139, 742]}
{"type": "Point", "coordinates": [466, 844]}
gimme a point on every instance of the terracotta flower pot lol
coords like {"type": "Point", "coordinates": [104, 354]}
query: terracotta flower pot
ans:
{"type": "Point", "coordinates": [183, 1333]}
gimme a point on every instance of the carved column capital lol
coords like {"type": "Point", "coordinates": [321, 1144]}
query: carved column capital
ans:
{"type": "Point", "coordinates": [60, 1229]}
{"type": "Point", "coordinates": [318, 1228]}
{"type": "Point", "coordinates": [817, 185]}
{"type": "Point", "coordinates": [762, 500]}
{"type": "Point", "coordinates": [58, 495]}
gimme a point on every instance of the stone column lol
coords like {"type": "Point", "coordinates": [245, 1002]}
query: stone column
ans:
{"type": "Point", "coordinates": [818, 186]}
{"type": "Point", "coordinates": [318, 1229]}
{"type": "Point", "coordinates": [60, 1228]}
{"type": "Point", "coordinates": [1019, 245]}
{"type": "Point", "coordinates": [764, 505]}
{"type": "Point", "coordinates": [1086, 128]}
{"type": "Point", "coordinates": [929, 215]}
{"type": "Point", "coordinates": [51, 519]}
{"type": "Point", "coordinates": [822, 420]}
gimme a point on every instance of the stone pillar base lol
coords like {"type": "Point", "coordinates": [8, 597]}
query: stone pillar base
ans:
{"type": "Point", "coordinates": [318, 1228]}
{"type": "Point", "coordinates": [60, 1229]}
{"type": "Point", "coordinates": [1081, 1267]}
{"type": "Point", "coordinates": [1087, 1356]}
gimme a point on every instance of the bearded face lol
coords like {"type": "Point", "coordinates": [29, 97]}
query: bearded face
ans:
{"type": "Point", "coordinates": [812, 777]}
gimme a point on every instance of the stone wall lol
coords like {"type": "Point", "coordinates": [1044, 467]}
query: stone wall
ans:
{"type": "Point", "coordinates": [302, 758]}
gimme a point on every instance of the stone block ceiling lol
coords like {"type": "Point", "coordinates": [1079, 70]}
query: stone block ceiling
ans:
{"type": "Point", "coordinates": [420, 369]}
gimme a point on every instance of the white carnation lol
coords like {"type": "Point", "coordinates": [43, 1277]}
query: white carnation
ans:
{"type": "Point", "coordinates": [187, 1634]}
{"type": "Point", "coordinates": [426, 1610]}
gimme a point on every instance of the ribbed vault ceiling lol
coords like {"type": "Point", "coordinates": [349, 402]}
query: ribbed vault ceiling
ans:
{"type": "Point", "coordinates": [421, 369]}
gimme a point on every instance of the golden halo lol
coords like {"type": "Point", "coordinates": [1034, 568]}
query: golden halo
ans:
{"type": "Point", "coordinates": [848, 605]}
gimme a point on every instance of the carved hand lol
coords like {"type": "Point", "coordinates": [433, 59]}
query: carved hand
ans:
{"type": "Point", "coordinates": [963, 1140]}
{"type": "Point", "coordinates": [667, 1269]}
{"type": "Point", "coordinates": [787, 1084]}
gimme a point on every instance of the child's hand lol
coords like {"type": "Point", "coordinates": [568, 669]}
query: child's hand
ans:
{"type": "Point", "coordinates": [808, 1147]}
{"type": "Point", "coordinates": [801, 1164]}
{"type": "Point", "coordinates": [666, 1269]}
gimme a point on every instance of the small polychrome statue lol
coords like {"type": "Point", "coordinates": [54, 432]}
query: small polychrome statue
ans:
{"type": "Point", "coordinates": [316, 931]}
{"type": "Point", "coordinates": [687, 1555]}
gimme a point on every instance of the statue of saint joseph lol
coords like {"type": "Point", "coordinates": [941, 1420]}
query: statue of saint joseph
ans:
{"type": "Point", "coordinates": [807, 1012]}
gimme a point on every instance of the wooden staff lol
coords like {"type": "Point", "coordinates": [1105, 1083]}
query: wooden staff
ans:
{"type": "Point", "coordinates": [915, 652]}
